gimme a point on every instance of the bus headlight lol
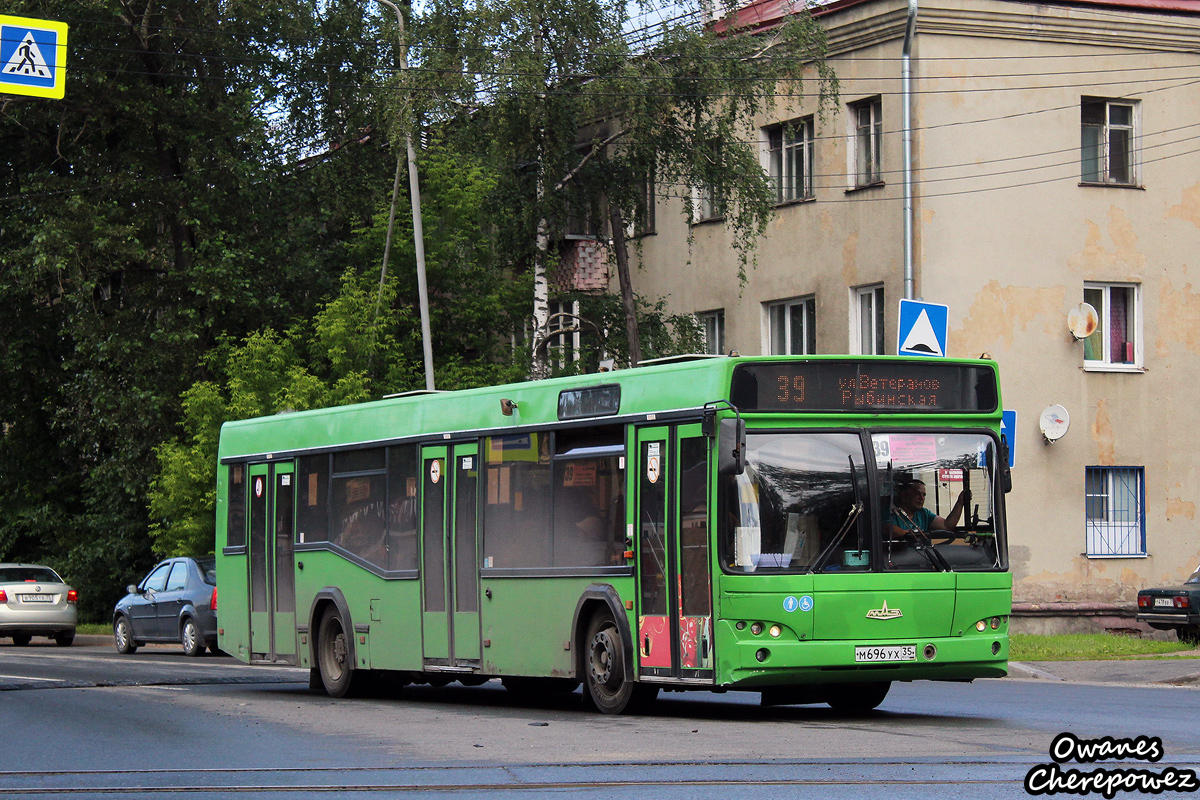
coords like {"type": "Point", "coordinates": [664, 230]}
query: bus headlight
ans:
{"type": "Point", "coordinates": [756, 628]}
{"type": "Point", "coordinates": [981, 626]}
{"type": "Point", "coordinates": [775, 631]}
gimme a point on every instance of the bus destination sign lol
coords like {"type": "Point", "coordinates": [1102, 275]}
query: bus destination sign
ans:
{"type": "Point", "coordinates": [863, 386]}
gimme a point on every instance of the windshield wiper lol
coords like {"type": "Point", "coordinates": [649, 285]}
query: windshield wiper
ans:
{"type": "Point", "coordinates": [930, 552]}
{"type": "Point", "coordinates": [851, 515]}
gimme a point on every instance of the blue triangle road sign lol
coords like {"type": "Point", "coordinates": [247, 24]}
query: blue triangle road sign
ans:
{"type": "Point", "coordinates": [922, 329]}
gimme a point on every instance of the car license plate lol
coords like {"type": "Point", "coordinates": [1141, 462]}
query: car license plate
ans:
{"type": "Point", "coordinates": [37, 598]}
{"type": "Point", "coordinates": [904, 652]}
{"type": "Point", "coordinates": [1164, 602]}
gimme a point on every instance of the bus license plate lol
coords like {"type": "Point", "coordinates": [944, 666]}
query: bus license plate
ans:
{"type": "Point", "coordinates": [904, 652]}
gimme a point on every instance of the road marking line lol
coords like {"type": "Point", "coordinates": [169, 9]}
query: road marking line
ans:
{"type": "Point", "coordinates": [28, 678]}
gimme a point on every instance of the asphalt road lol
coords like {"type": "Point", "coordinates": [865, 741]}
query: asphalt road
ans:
{"type": "Point", "coordinates": [85, 722]}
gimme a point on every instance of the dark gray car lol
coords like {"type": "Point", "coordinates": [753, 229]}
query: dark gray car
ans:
{"type": "Point", "coordinates": [176, 602]}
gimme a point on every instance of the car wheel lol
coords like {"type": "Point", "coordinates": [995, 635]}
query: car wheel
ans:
{"type": "Point", "coordinates": [189, 637]}
{"type": "Point", "coordinates": [65, 639]}
{"type": "Point", "coordinates": [857, 698]}
{"type": "Point", "coordinates": [123, 635]}
{"type": "Point", "coordinates": [21, 639]}
{"type": "Point", "coordinates": [608, 687]}
{"type": "Point", "coordinates": [333, 655]}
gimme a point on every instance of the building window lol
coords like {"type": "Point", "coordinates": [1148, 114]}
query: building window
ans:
{"type": "Point", "coordinates": [792, 327]}
{"type": "Point", "coordinates": [1115, 341]}
{"type": "Point", "coordinates": [709, 204]}
{"type": "Point", "coordinates": [790, 160]}
{"type": "Point", "coordinates": [867, 118]}
{"type": "Point", "coordinates": [1107, 141]}
{"type": "Point", "coordinates": [1115, 507]}
{"type": "Point", "coordinates": [714, 331]}
{"type": "Point", "coordinates": [562, 325]}
{"type": "Point", "coordinates": [646, 224]}
{"type": "Point", "coordinates": [868, 322]}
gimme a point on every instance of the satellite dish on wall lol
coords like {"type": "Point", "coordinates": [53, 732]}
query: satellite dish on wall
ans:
{"type": "Point", "coordinates": [1083, 321]}
{"type": "Point", "coordinates": [1054, 423]}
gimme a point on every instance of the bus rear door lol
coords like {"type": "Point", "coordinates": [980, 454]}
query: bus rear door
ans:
{"type": "Point", "coordinates": [674, 639]}
{"type": "Point", "coordinates": [272, 576]}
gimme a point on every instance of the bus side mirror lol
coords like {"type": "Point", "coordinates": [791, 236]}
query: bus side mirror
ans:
{"type": "Point", "coordinates": [731, 447]}
{"type": "Point", "coordinates": [1005, 472]}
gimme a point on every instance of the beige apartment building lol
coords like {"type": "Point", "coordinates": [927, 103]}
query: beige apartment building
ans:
{"type": "Point", "coordinates": [1055, 159]}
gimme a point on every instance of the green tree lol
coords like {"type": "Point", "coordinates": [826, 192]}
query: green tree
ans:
{"type": "Point", "coordinates": [200, 180]}
{"type": "Point", "coordinates": [576, 116]}
{"type": "Point", "coordinates": [348, 352]}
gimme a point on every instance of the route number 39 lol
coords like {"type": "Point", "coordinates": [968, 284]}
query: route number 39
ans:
{"type": "Point", "coordinates": [791, 389]}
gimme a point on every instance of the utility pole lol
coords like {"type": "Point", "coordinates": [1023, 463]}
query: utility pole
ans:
{"type": "Point", "coordinates": [414, 193]}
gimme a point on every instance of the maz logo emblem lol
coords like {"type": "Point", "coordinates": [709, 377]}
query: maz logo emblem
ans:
{"type": "Point", "coordinates": [884, 613]}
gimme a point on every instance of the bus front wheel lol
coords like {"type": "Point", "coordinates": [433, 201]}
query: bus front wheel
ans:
{"type": "Point", "coordinates": [333, 655]}
{"type": "Point", "coordinates": [609, 688]}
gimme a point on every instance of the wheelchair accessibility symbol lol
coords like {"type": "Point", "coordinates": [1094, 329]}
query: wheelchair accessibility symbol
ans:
{"type": "Point", "coordinates": [791, 603]}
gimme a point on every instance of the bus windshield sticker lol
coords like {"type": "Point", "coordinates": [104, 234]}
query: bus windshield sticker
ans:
{"type": "Point", "coordinates": [910, 448]}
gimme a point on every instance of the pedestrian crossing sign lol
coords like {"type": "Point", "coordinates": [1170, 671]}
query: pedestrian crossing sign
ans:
{"type": "Point", "coordinates": [33, 54]}
{"type": "Point", "coordinates": [922, 328]}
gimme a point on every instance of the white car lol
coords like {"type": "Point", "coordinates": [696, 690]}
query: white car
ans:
{"type": "Point", "coordinates": [34, 601]}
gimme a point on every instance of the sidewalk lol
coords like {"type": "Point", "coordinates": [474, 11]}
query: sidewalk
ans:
{"type": "Point", "coordinates": [1174, 671]}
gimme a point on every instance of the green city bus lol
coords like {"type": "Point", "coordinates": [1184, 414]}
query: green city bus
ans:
{"type": "Point", "coordinates": [703, 523]}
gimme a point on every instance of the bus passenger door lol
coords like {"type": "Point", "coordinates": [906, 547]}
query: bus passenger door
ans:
{"type": "Point", "coordinates": [674, 638]}
{"type": "Point", "coordinates": [465, 644]}
{"type": "Point", "coordinates": [272, 579]}
{"type": "Point", "coordinates": [435, 623]}
{"type": "Point", "coordinates": [450, 612]}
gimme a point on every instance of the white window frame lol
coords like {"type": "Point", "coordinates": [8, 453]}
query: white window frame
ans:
{"type": "Point", "coordinates": [1115, 512]}
{"type": "Point", "coordinates": [781, 317]}
{"type": "Point", "coordinates": [1096, 158]}
{"type": "Point", "coordinates": [871, 323]}
{"type": "Point", "coordinates": [1103, 337]}
{"type": "Point", "coordinates": [713, 323]}
{"type": "Point", "coordinates": [706, 205]}
{"type": "Point", "coordinates": [865, 152]}
{"type": "Point", "coordinates": [790, 149]}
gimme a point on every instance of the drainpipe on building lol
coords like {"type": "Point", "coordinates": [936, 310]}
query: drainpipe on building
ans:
{"type": "Point", "coordinates": [910, 31]}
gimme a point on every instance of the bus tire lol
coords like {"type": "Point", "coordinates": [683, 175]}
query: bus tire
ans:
{"type": "Point", "coordinates": [607, 686]}
{"type": "Point", "coordinates": [333, 655]}
{"type": "Point", "coordinates": [857, 698]}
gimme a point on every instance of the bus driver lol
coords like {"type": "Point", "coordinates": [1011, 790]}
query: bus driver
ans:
{"type": "Point", "coordinates": [911, 518]}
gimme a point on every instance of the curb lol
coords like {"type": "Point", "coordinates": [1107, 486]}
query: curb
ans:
{"type": "Point", "coordinates": [1026, 671]}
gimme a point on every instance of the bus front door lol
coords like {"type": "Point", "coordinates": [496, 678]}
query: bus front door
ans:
{"type": "Point", "coordinates": [450, 569]}
{"type": "Point", "coordinates": [674, 639]}
{"type": "Point", "coordinates": [272, 576]}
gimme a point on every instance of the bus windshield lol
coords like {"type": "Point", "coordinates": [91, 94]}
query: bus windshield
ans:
{"type": "Point", "coordinates": [805, 503]}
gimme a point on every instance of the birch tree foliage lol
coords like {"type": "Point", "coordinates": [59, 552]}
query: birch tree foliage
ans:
{"type": "Point", "coordinates": [578, 109]}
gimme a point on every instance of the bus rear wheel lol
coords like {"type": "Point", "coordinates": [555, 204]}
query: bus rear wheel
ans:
{"type": "Point", "coordinates": [333, 655]}
{"type": "Point", "coordinates": [857, 698]}
{"type": "Point", "coordinates": [609, 688]}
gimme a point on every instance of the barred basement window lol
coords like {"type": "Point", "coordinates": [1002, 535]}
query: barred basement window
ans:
{"type": "Point", "coordinates": [1115, 507]}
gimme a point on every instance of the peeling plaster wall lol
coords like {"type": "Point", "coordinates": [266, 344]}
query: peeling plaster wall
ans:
{"type": "Point", "coordinates": [1006, 236]}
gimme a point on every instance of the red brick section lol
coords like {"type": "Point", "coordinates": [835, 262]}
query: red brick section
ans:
{"type": "Point", "coordinates": [584, 267]}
